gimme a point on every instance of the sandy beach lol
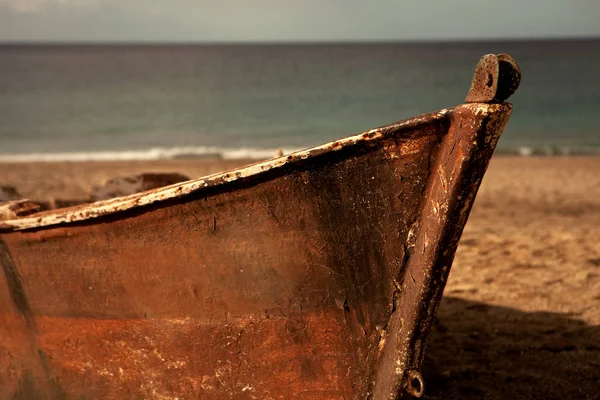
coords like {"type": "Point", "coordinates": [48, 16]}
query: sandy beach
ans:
{"type": "Point", "coordinates": [520, 318]}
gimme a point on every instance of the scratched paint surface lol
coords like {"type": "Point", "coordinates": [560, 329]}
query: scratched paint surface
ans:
{"type": "Point", "coordinates": [282, 289]}
{"type": "Point", "coordinates": [319, 280]}
{"type": "Point", "coordinates": [405, 129]}
{"type": "Point", "coordinates": [315, 276]}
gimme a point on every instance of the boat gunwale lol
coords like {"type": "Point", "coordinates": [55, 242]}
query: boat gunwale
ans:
{"type": "Point", "coordinates": [81, 213]}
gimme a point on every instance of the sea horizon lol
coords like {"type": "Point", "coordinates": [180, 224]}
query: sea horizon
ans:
{"type": "Point", "coordinates": [307, 42]}
{"type": "Point", "coordinates": [125, 101]}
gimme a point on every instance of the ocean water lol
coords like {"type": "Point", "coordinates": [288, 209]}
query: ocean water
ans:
{"type": "Point", "coordinates": [81, 102]}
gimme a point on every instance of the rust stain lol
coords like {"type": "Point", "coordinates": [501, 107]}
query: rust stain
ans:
{"type": "Point", "coordinates": [315, 275]}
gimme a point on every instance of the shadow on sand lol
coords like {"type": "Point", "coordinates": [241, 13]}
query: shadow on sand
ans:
{"type": "Point", "coordinates": [480, 351]}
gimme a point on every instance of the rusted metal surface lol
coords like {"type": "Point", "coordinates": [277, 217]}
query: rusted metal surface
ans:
{"type": "Point", "coordinates": [316, 275]}
{"type": "Point", "coordinates": [496, 78]}
{"type": "Point", "coordinates": [456, 172]}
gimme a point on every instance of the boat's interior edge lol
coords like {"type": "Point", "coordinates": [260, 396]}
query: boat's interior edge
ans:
{"type": "Point", "coordinates": [233, 179]}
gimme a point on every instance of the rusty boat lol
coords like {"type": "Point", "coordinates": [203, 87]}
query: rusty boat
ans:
{"type": "Point", "coordinates": [316, 275]}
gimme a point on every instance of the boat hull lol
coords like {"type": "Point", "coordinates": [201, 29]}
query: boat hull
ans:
{"type": "Point", "coordinates": [317, 279]}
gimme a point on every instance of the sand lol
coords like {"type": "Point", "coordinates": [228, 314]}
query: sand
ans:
{"type": "Point", "coordinates": [520, 318]}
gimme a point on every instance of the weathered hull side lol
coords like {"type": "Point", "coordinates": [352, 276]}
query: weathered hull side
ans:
{"type": "Point", "coordinates": [288, 284]}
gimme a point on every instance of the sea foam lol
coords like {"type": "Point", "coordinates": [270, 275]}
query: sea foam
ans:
{"type": "Point", "coordinates": [156, 153]}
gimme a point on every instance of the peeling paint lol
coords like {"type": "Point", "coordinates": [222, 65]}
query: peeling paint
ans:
{"type": "Point", "coordinates": [320, 281]}
{"type": "Point", "coordinates": [107, 207]}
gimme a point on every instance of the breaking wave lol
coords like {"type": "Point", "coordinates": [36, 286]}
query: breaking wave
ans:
{"type": "Point", "coordinates": [156, 153]}
{"type": "Point", "coordinates": [527, 151]}
{"type": "Point", "coordinates": [173, 153]}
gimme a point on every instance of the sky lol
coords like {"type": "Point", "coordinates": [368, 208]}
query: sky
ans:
{"type": "Point", "coordinates": [294, 20]}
